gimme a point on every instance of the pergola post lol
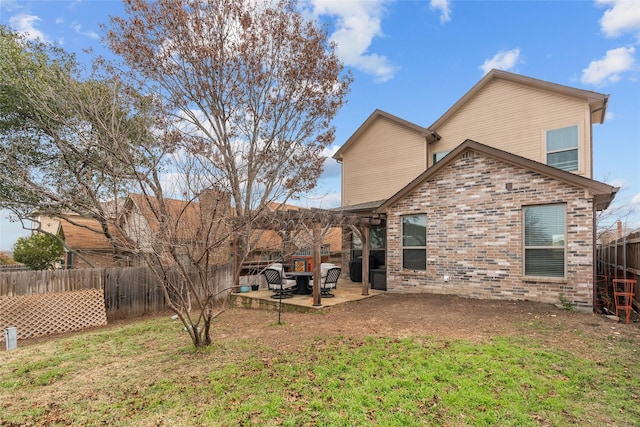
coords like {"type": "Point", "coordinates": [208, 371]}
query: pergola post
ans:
{"type": "Point", "coordinates": [237, 264]}
{"type": "Point", "coordinates": [317, 298]}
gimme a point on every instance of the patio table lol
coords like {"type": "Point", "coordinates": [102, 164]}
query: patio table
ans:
{"type": "Point", "coordinates": [302, 281]}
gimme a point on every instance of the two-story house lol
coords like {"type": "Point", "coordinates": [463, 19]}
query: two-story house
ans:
{"type": "Point", "coordinates": [495, 199]}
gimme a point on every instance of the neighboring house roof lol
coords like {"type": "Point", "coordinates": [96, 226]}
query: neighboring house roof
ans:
{"type": "Point", "coordinates": [277, 206]}
{"type": "Point", "coordinates": [185, 214]}
{"type": "Point", "coordinates": [376, 115]}
{"type": "Point", "coordinates": [603, 193]}
{"type": "Point", "coordinates": [597, 101]}
{"type": "Point", "coordinates": [82, 233]}
{"type": "Point", "coordinates": [333, 238]}
{"type": "Point", "coordinates": [270, 240]}
{"type": "Point", "coordinates": [265, 240]}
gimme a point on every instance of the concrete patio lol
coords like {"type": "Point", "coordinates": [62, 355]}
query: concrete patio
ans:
{"type": "Point", "coordinates": [346, 291]}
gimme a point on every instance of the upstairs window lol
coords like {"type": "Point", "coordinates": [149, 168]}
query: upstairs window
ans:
{"type": "Point", "coordinates": [562, 148]}
{"type": "Point", "coordinates": [544, 240]}
{"type": "Point", "coordinates": [439, 156]}
{"type": "Point", "coordinates": [414, 242]}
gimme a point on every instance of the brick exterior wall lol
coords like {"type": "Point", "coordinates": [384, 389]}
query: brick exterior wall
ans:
{"type": "Point", "coordinates": [475, 234]}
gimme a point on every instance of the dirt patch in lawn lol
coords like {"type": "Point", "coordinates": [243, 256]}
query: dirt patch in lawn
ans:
{"type": "Point", "coordinates": [439, 316]}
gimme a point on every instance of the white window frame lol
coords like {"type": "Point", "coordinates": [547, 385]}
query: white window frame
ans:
{"type": "Point", "coordinates": [413, 247]}
{"type": "Point", "coordinates": [526, 248]}
{"type": "Point", "coordinates": [439, 156]}
{"type": "Point", "coordinates": [563, 150]}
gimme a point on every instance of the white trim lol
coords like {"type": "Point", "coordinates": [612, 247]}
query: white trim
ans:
{"type": "Point", "coordinates": [545, 152]}
{"type": "Point", "coordinates": [403, 247]}
{"type": "Point", "coordinates": [525, 247]}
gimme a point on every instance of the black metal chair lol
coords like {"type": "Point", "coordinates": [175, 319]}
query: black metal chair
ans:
{"type": "Point", "coordinates": [275, 282]}
{"type": "Point", "coordinates": [330, 282]}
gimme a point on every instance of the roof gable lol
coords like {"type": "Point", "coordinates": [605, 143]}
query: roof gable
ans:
{"type": "Point", "coordinates": [377, 115]}
{"type": "Point", "coordinates": [597, 101]}
{"type": "Point", "coordinates": [603, 193]}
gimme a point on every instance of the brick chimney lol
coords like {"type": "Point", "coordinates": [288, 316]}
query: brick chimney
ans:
{"type": "Point", "coordinates": [216, 213]}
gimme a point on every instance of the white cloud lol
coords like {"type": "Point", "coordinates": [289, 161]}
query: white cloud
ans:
{"type": "Point", "coordinates": [25, 25]}
{"type": "Point", "coordinates": [356, 24]}
{"type": "Point", "coordinates": [444, 7]}
{"type": "Point", "coordinates": [332, 169]}
{"type": "Point", "coordinates": [636, 200]}
{"type": "Point", "coordinates": [331, 200]}
{"type": "Point", "coordinates": [327, 200]}
{"type": "Point", "coordinates": [503, 60]}
{"type": "Point", "coordinates": [619, 182]}
{"type": "Point", "coordinates": [621, 16]}
{"type": "Point", "coordinates": [78, 29]}
{"type": "Point", "coordinates": [9, 6]}
{"type": "Point", "coordinates": [609, 68]}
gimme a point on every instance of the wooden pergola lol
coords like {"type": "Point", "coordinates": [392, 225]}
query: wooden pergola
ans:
{"type": "Point", "coordinates": [315, 223]}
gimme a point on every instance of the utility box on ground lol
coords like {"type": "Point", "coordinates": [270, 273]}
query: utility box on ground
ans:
{"type": "Point", "coordinates": [11, 338]}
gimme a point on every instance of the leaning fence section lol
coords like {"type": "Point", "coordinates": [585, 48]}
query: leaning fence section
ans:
{"type": "Point", "coordinates": [131, 292]}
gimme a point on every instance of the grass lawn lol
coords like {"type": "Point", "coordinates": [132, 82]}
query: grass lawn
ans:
{"type": "Point", "coordinates": [146, 373]}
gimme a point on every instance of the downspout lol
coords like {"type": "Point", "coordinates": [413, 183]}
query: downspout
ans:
{"type": "Point", "coordinates": [594, 232]}
{"type": "Point", "coordinates": [435, 137]}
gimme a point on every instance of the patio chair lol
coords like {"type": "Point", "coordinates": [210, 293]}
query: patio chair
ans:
{"type": "Point", "coordinates": [278, 283]}
{"type": "Point", "coordinates": [330, 282]}
{"type": "Point", "coordinates": [324, 268]}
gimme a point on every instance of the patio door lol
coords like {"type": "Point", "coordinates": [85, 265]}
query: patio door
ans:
{"type": "Point", "coordinates": [377, 246]}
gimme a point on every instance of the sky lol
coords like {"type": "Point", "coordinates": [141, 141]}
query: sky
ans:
{"type": "Point", "coordinates": [415, 59]}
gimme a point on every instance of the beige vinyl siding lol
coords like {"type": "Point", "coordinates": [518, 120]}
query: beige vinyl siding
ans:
{"type": "Point", "coordinates": [386, 157]}
{"type": "Point", "coordinates": [515, 118]}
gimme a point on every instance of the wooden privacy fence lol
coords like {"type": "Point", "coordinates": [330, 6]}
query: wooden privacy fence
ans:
{"type": "Point", "coordinates": [620, 259]}
{"type": "Point", "coordinates": [128, 292]}
{"type": "Point", "coordinates": [49, 281]}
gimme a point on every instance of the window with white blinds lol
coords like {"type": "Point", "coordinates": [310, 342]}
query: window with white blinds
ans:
{"type": "Point", "coordinates": [545, 240]}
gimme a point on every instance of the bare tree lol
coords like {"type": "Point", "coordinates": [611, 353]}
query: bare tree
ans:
{"type": "Point", "coordinates": [227, 106]}
{"type": "Point", "coordinates": [619, 214]}
{"type": "Point", "coordinates": [252, 85]}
